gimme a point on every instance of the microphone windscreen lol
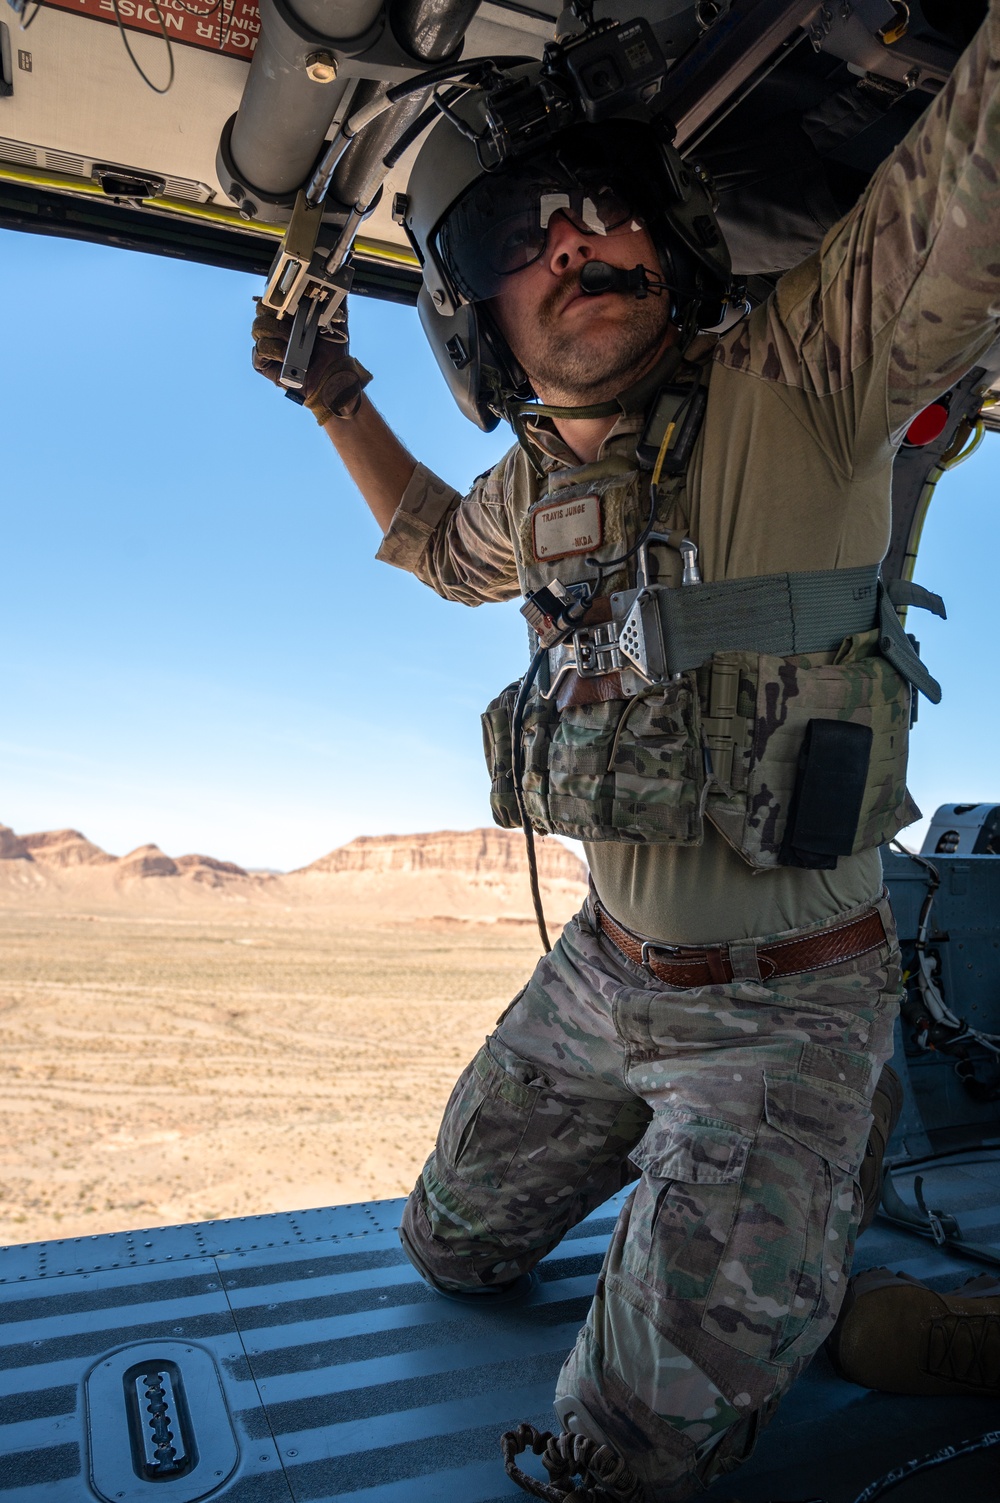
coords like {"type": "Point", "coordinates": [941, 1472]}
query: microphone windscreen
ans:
{"type": "Point", "coordinates": [597, 277]}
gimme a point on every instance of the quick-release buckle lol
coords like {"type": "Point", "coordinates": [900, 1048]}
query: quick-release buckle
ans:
{"type": "Point", "coordinates": [591, 652]}
{"type": "Point", "coordinates": [597, 650]}
{"type": "Point", "coordinates": [594, 651]}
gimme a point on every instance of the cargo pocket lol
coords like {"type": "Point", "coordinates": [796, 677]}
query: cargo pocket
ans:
{"type": "Point", "coordinates": [684, 1204]}
{"type": "Point", "coordinates": [781, 1277]}
{"type": "Point", "coordinates": [507, 1127]}
{"type": "Point", "coordinates": [484, 1122]}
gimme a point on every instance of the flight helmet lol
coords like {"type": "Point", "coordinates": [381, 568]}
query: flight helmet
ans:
{"type": "Point", "coordinates": [555, 136]}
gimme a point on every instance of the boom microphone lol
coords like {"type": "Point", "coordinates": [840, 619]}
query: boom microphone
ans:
{"type": "Point", "coordinates": [598, 277]}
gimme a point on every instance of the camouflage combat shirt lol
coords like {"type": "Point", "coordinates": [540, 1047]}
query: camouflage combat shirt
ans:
{"type": "Point", "coordinates": [808, 400]}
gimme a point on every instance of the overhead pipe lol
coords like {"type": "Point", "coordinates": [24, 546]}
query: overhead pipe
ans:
{"type": "Point", "coordinates": [290, 98]}
{"type": "Point", "coordinates": [430, 31]}
{"type": "Point", "coordinates": [309, 54]}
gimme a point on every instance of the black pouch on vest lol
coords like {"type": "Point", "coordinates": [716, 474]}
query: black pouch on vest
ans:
{"type": "Point", "coordinates": [676, 417]}
{"type": "Point", "coordinates": [829, 789]}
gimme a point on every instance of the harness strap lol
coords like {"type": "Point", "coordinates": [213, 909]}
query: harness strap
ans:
{"type": "Point", "coordinates": [663, 631]}
{"type": "Point", "coordinates": [896, 646]}
{"type": "Point", "coordinates": [779, 614]}
{"type": "Point", "coordinates": [903, 592]}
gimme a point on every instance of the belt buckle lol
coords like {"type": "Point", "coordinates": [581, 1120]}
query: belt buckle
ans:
{"type": "Point", "coordinates": [713, 957]}
{"type": "Point", "coordinates": [669, 952]}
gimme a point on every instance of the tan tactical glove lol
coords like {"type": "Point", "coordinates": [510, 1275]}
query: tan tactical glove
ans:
{"type": "Point", "coordinates": [334, 381]}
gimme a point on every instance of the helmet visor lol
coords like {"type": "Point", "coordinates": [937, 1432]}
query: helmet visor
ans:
{"type": "Point", "coordinates": [501, 224]}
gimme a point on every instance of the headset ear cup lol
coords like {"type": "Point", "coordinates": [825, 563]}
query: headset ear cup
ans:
{"type": "Point", "coordinates": [511, 377]}
{"type": "Point", "coordinates": [458, 349]}
{"type": "Point", "coordinates": [690, 242]}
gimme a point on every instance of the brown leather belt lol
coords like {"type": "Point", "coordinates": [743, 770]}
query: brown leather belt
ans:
{"type": "Point", "coordinates": [711, 965]}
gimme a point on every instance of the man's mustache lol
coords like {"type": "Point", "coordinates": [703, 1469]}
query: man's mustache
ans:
{"type": "Point", "coordinates": [567, 286]}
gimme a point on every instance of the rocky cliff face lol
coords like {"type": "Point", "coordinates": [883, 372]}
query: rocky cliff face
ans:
{"type": "Point", "coordinates": [64, 848]}
{"type": "Point", "coordinates": [472, 853]}
{"type": "Point", "coordinates": [12, 847]}
{"type": "Point", "coordinates": [471, 872]}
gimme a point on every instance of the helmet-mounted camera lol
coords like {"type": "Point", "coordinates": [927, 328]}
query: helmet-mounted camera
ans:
{"type": "Point", "coordinates": [614, 69]}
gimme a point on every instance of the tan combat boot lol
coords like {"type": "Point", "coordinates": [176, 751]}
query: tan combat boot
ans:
{"type": "Point", "coordinates": [897, 1335]}
{"type": "Point", "coordinates": [887, 1103]}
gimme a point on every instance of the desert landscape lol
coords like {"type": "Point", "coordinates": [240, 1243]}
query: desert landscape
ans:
{"type": "Point", "coordinates": [184, 1039]}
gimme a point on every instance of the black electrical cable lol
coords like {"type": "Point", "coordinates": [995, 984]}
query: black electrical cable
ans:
{"type": "Point", "coordinates": [32, 18]}
{"type": "Point", "coordinates": [899, 1474]}
{"type": "Point", "coordinates": [464, 129]}
{"type": "Point", "coordinates": [426, 118]}
{"type": "Point", "coordinates": [477, 70]}
{"type": "Point", "coordinates": [517, 760]}
{"type": "Point", "coordinates": [135, 61]}
{"type": "Point", "coordinates": [203, 15]}
{"type": "Point", "coordinates": [472, 68]}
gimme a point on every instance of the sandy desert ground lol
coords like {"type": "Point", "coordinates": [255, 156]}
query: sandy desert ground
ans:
{"type": "Point", "coordinates": [172, 1053]}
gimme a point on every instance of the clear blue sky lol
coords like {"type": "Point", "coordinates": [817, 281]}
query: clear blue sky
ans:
{"type": "Point", "coordinates": [198, 647]}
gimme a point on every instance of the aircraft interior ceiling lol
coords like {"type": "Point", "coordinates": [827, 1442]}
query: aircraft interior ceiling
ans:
{"type": "Point", "coordinates": [790, 106]}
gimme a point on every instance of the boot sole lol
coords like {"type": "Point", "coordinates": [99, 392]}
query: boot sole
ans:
{"type": "Point", "coordinates": [859, 1356]}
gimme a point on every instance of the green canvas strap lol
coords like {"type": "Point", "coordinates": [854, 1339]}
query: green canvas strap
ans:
{"type": "Point", "coordinates": [782, 615]}
{"type": "Point", "coordinates": [896, 646]}
{"type": "Point", "coordinates": [903, 592]}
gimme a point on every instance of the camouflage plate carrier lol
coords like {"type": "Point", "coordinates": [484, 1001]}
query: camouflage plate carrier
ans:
{"type": "Point", "coordinates": [778, 706]}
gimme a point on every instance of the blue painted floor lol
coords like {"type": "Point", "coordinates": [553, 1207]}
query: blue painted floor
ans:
{"type": "Point", "coordinates": [346, 1379]}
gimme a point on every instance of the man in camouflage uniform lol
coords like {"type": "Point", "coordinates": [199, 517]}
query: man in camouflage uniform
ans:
{"type": "Point", "coordinates": [670, 1033]}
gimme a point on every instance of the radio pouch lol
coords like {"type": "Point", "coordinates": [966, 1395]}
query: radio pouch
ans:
{"type": "Point", "coordinates": [829, 790]}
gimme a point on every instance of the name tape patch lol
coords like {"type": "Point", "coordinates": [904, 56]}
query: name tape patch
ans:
{"type": "Point", "coordinates": [565, 527]}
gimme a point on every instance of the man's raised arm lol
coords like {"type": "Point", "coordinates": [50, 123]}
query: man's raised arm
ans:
{"type": "Point", "coordinates": [937, 210]}
{"type": "Point", "coordinates": [459, 545]}
{"type": "Point", "coordinates": [903, 297]}
{"type": "Point", "coordinates": [373, 456]}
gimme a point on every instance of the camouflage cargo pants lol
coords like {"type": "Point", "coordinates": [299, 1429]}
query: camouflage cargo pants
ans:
{"type": "Point", "coordinates": [743, 1109]}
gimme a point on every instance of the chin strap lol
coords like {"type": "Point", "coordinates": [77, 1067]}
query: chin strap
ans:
{"type": "Point", "coordinates": [635, 398]}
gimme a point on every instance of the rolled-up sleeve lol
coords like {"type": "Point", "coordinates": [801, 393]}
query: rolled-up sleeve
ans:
{"type": "Point", "coordinates": [459, 545]}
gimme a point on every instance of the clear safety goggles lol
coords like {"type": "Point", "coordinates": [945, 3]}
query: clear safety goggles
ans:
{"type": "Point", "coordinates": [501, 225]}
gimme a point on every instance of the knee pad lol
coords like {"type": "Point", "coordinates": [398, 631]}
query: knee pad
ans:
{"type": "Point", "coordinates": [574, 1416]}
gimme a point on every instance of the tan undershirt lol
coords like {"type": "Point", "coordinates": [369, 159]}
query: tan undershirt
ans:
{"type": "Point", "coordinates": [708, 895]}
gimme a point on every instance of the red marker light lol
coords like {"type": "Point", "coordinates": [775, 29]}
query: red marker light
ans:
{"type": "Point", "coordinates": [927, 426]}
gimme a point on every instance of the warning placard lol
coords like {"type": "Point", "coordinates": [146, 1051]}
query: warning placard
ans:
{"type": "Point", "coordinates": [229, 26]}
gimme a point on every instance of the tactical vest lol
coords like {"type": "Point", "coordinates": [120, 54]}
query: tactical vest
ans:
{"type": "Point", "coordinates": [778, 706]}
